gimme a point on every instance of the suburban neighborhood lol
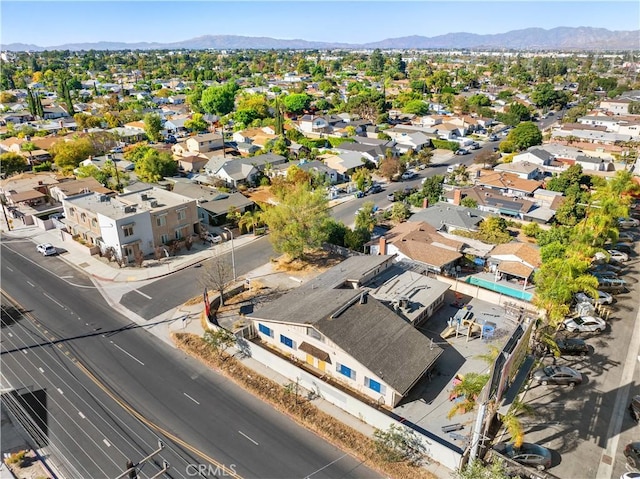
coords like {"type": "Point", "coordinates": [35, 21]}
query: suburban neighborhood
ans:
{"type": "Point", "coordinates": [425, 260]}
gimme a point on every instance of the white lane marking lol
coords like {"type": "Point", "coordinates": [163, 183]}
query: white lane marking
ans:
{"type": "Point", "coordinates": [82, 415]}
{"type": "Point", "coordinates": [127, 353]}
{"type": "Point", "coordinates": [60, 391]}
{"type": "Point", "coordinates": [66, 277]}
{"type": "Point", "coordinates": [324, 467]}
{"type": "Point", "coordinates": [41, 370]}
{"type": "Point", "coordinates": [9, 269]}
{"type": "Point", "coordinates": [59, 304]}
{"type": "Point", "coordinates": [10, 335]}
{"type": "Point", "coordinates": [242, 433]}
{"type": "Point", "coordinates": [191, 398]}
{"type": "Point", "coordinates": [31, 284]}
{"type": "Point", "coordinates": [142, 294]}
{"type": "Point", "coordinates": [25, 351]}
{"type": "Point", "coordinates": [106, 442]}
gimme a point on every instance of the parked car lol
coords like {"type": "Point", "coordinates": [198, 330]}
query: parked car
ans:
{"type": "Point", "coordinates": [585, 324]}
{"type": "Point", "coordinates": [376, 188]}
{"type": "Point", "coordinates": [561, 375]}
{"type": "Point", "coordinates": [612, 285]}
{"type": "Point", "coordinates": [46, 249]}
{"type": "Point", "coordinates": [632, 453]}
{"type": "Point", "coordinates": [493, 138]}
{"type": "Point", "coordinates": [628, 222]}
{"type": "Point", "coordinates": [474, 146]}
{"type": "Point", "coordinates": [359, 194]}
{"type": "Point", "coordinates": [452, 168]}
{"type": "Point", "coordinates": [634, 408]}
{"type": "Point", "coordinates": [625, 238]}
{"type": "Point", "coordinates": [603, 298]}
{"type": "Point", "coordinates": [572, 347]}
{"type": "Point", "coordinates": [622, 247]}
{"type": "Point", "coordinates": [409, 174]}
{"type": "Point", "coordinates": [618, 256]}
{"type": "Point", "coordinates": [532, 455]}
{"type": "Point", "coordinates": [391, 197]}
{"type": "Point", "coordinates": [606, 268]}
{"type": "Point", "coordinates": [462, 151]}
{"type": "Point", "coordinates": [213, 238]}
{"type": "Point", "coordinates": [631, 475]}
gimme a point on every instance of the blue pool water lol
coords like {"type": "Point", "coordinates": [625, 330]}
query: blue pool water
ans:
{"type": "Point", "coordinates": [500, 288]}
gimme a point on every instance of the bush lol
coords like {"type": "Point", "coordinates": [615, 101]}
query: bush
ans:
{"type": "Point", "coordinates": [531, 230]}
{"type": "Point", "coordinates": [445, 145]}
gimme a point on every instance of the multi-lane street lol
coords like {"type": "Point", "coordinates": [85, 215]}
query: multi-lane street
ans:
{"type": "Point", "coordinates": [202, 416]}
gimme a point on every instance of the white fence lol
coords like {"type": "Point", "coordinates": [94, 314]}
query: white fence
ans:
{"type": "Point", "coordinates": [438, 449]}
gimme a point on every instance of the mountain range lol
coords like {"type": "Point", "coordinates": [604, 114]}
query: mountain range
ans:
{"type": "Point", "coordinates": [560, 38]}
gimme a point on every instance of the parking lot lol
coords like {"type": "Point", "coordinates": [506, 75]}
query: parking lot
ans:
{"type": "Point", "coordinates": [587, 427]}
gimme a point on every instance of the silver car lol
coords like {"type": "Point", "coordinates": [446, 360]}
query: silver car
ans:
{"type": "Point", "coordinates": [557, 375]}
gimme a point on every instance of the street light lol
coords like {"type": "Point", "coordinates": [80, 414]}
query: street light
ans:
{"type": "Point", "coordinates": [233, 258]}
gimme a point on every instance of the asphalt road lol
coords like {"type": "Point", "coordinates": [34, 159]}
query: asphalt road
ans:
{"type": "Point", "coordinates": [168, 389]}
{"type": "Point", "coordinates": [171, 291]}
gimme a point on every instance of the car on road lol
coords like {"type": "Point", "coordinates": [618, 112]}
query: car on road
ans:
{"type": "Point", "coordinates": [528, 454]}
{"type": "Point", "coordinates": [391, 197]}
{"type": "Point", "coordinates": [452, 168]}
{"type": "Point", "coordinates": [409, 174]}
{"type": "Point", "coordinates": [628, 222]}
{"type": "Point", "coordinates": [603, 298]}
{"type": "Point", "coordinates": [213, 238]}
{"type": "Point", "coordinates": [462, 151]}
{"type": "Point", "coordinates": [474, 146]}
{"type": "Point", "coordinates": [572, 347]}
{"type": "Point", "coordinates": [632, 453]}
{"type": "Point", "coordinates": [585, 324]}
{"type": "Point", "coordinates": [561, 375]}
{"type": "Point", "coordinates": [634, 408]}
{"type": "Point", "coordinates": [493, 138]}
{"type": "Point", "coordinates": [46, 249]}
{"type": "Point", "coordinates": [618, 256]}
{"type": "Point", "coordinates": [376, 188]}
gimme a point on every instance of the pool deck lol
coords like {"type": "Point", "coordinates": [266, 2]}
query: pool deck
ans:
{"type": "Point", "coordinates": [490, 278]}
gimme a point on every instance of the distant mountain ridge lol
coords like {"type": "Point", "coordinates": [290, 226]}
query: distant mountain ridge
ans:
{"type": "Point", "coordinates": [560, 38]}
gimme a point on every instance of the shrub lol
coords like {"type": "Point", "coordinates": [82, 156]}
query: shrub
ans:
{"type": "Point", "coordinates": [531, 230]}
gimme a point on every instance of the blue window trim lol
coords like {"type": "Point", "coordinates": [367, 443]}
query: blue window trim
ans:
{"type": "Point", "coordinates": [374, 385]}
{"type": "Point", "coordinates": [287, 341]}
{"type": "Point", "coordinates": [346, 371]}
{"type": "Point", "coordinates": [267, 331]}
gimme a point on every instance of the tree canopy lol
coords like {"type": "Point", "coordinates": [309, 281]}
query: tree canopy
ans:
{"type": "Point", "coordinates": [296, 102]}
{"type": "Point", "coordinates": [12, 162]}
{"type": "Point", "coordinates": [219, 99]}
{"type": "Point", "coordinates": [155, 165]}
{"type": "Point", "coordinates": [297, 223]}
{"type": "Point", "coordinates": [525, 135]}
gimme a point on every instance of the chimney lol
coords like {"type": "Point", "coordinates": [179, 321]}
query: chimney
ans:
{"type": "Point", "coordinates": [457, 197]}
{"type": "Point", "coordinates": [60, 123]}
{"type": "Point", "coordinates": [383, 246]}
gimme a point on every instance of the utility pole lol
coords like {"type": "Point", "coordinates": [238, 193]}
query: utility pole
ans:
{"type": "Point", "coordinates": [132, 469]}
{"type": "Point", "coordinates": [4, 212]}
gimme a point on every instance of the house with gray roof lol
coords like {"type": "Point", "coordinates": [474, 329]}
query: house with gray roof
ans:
{"type": "Point", "coordinates": [336, 326]}
{"type": "Point", "coordinates": [447, 217]}
{"type": "Point", "coordinates": [213, 205]}
{"type": "Point", "coordinates": [235, 171]}
{"type": "Point", "coordinates": [534, 156]}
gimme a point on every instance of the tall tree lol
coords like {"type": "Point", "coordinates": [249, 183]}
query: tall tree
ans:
{"type": "Point", "coordinates": [155, 165]}
{"type": "Point", "coordinates": [296, 224]}
{"type": "Point", "coordinates": [152, 126]}
{"type": "Point", "coordinates": [12, 162]}
{"type": "Point", "coordinates": [219, 99]}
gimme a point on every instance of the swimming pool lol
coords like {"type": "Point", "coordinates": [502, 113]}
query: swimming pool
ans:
{"type": "Point", "coordinates": [500, 288]}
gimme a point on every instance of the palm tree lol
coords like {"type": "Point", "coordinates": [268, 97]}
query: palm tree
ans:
{"type": "Point", "coordinates": [29, 146]}
{"type": "Point", "coordinates": [512, 423]}
{"type": "Point", "coordinates": [469, 388]}
{"type": "Point", "coordinates": [252, 218]}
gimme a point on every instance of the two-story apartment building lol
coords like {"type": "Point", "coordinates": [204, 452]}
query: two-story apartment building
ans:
{"type": "Point", "coordinates": [204, 143]}
{"type": "Point", "coordinates": [133, 222]}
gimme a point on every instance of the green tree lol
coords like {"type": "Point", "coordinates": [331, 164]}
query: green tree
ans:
{"type": "Point", "coordinates": [219, 99]}
{"type": "Point", "coordinates": [336, 232]}
{"type": "Point", "coordinates": [525, 135]}
{"type": "Point", "coordinates": [362, 178]}
{"type": "Point", "coordinates": [399, 444]}
{"type": "Point", "coordinates": [219, 339]}
{"type": "Point", "coordinates": [469, 202]}
{"type": "Point", "coordinates": [477, 470]}
{"type": "Point", "coordinates": [155, 165]}
{"type": "Point", "coordinates": [245, 116]}
{"type": "Point", "coordinates": [296, 224]}
{"type": "Point", "coordinates": [7, 97]}
{"type": "Point", "coordinates": [356, 238]}
{"type": "Point", "coordinates": [67, 155]}
{"type": "Point", "coordinates": [432, 189]}
{"type": "Point", "coordinates": [152, 126]}
{"type": "Point", "coordinates": [519, 111]}
{"type": "Point", "coordinates": [400, 212]}
{"type": "Point", "coordinates": [11, 163]}
{"type": "Point", "coordinates": [296, 102]}
{"type": "Point", "coordinates": [376, 62]}
{"type": "Point", "coordinates": [494, 230]}
{"type": "Point", "coordinates": [479, 100]}
{"type": "Point", "coordinates": [469, 388]}
{"type": "Point", "coordinates": [29, 147]}
{"type": "Point", "coordinates": [251, 219]}
{"type": "Point", "coordinates": [365, 216]}
{"type": "Point", "coordinates": [196, 123]}
{"type": "Point", "coordinates": [367, 104]}
{"type": "Point", "coordinates": [416, 107]}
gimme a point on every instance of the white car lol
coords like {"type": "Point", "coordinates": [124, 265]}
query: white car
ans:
{"type": "Point", "coordinates": [603, 298]}
{"type": "Point", "coordinates": [46, 249]}
{"type": "Point", "coordinates": [585, 324]}
{"type": "Point", "coordinates": [619, 256]}
{"type": "Point", "coordinates": [211, 238]}
{"type": "Point", "coordinates": [452, 168]}
{"type": "Point", "coordinates": [407, 175]}
{"type": "Point", "coordinates": [628, 222]}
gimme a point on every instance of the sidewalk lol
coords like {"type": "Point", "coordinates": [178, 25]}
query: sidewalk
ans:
{"type": "Point", "coordinates": [77, 255]}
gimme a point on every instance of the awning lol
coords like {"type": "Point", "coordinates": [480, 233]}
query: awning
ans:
{"type": "Point", "coordinates": [315, 352]}
{"type": "Point", "coordinates": [515, 268]}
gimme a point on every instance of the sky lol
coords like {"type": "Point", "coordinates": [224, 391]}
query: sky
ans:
{"type": "Point", "coordinates": [52, 23]}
